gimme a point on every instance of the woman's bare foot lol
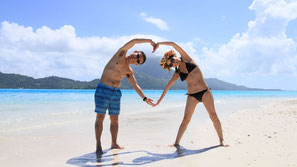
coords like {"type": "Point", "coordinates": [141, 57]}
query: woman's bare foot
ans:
{"type": "Point", "coordinates": [116, 146]}
{"type": "Point", "coordinates": [224, 145]}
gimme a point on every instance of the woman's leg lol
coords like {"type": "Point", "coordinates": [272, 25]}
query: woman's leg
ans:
{"type": "Point", "coordinates": [190, 107]}
{"type": "Point", "coordinates": [208, 102]}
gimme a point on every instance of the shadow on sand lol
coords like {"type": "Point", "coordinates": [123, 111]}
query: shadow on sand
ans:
{"type": "Point", "coordinates": [94, 160]}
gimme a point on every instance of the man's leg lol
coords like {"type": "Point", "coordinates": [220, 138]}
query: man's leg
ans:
{"type": "Point", "coordinates": [98, 132]}
{"type": "Point", "coordinates": [114, 128]}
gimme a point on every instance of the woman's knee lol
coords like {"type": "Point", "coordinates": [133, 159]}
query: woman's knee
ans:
{"type": "Point", "coordinates": [100, 118]}
{"type": "Point", "coordinates": [213, 116]}
{"type": "Point", "coordinates": [186, 120]}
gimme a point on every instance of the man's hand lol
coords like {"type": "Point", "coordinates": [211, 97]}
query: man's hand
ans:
{"type": "Point", "coordinates": [156, 47]}
{"type": "Point", "coordinates": [149, 101]}
{"type": "Point", "coordinates": [153, 45]}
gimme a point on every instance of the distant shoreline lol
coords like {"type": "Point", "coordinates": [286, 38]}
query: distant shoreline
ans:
{"type": "Point", "coordinates": [265, 90]}
{"type": "Point", "coordinates": [145, 81]}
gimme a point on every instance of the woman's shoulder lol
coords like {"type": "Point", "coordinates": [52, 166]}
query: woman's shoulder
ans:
{"type": "Point", "coordinates": [192, 62]}
{"type": "Point", "coordinates": [186, 59]}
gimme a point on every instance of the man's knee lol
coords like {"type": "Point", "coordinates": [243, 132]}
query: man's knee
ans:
{"type": "Point", "coordinates": [100, 118]}
{"type": "Point", "coordinates": [114, 119]}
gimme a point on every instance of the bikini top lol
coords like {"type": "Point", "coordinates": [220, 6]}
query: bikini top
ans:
{"type": "Point", "coordinates": [190, 67]}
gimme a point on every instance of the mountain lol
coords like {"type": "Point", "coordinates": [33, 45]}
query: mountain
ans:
{"type": "Point", "coordinates": [22, 81]}
{"type": "Point", "coordinates": [149, 76]}
{"type": "Point", "coordinates": [145, 81]}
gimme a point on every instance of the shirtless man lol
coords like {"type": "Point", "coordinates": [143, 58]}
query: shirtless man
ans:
{"type": "Point", "coordinates": [108, 94]}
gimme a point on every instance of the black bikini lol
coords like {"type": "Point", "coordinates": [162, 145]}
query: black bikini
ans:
{"type": "Point", "coordinates": [190, 67]}
{"type": "Point", "coordinates": [183, 76]}
{"type": "Point", "coordinates": [199, 95]}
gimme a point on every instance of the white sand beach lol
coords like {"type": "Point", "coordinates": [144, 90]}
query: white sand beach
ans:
{"type": "Point", "coordinates": [259, 132]}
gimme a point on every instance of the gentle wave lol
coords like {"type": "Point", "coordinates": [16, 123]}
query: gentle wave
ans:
{"type": "Point", "coordinates": [28, 108]}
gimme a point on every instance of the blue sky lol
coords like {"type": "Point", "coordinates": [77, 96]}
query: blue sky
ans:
{"type": "Point", "coordinates": [196, 19]}
{"type": "Point", "coordinates": [251, 43]}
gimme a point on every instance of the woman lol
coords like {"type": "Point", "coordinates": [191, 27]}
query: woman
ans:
{"type": "Point", "coordinates": [187, 70]}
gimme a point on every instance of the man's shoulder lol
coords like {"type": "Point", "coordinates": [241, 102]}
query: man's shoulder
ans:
{"type": "Point", "coordinates": [120, 53]}
{"type": "Point", "coordinates": [118, 57]}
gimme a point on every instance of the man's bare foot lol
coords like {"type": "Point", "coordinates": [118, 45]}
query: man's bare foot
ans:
{"type": "Point", "coordinates": [116, 146]}
{"type": "Point", "coordinates": [174, 145]}
{"type": "Point", "coordinates": [99, 150]}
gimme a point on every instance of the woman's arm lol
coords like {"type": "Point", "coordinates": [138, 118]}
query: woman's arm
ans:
{"type": "Point", "coordinates": [182, 53]}
{"type": "Point", "coordinates": [169, 84]}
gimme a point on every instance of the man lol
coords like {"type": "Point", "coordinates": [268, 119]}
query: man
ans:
{"type": "Point", "coordinates": [108, 94]}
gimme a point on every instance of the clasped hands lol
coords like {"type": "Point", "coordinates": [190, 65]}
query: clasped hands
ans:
{"type": "Point", "coordinates": [154, 45]}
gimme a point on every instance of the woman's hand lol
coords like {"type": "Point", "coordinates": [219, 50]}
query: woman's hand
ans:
{"type": "Point", "coordinates": [155, 104]}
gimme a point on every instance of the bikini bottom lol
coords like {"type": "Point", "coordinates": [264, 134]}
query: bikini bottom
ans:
{"type": "Point", "coordinates": [199, 95]}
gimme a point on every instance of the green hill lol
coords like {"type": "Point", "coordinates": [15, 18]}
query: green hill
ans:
{"type": "Point", "coordinates": [25, 82]}
{"type": "Point", "coordinates": [149, 76]}
{"type": "Point", "coordinates": [145, 81]}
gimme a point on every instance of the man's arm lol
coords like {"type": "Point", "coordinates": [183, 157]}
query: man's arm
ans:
{"type": "Point", "coordinates": [137, 88]}
{"type": "Point", "coordinates": [182, 53]}
{"type": "Point", "coordinates": [131, 43]}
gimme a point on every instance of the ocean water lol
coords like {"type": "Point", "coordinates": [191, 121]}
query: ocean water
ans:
{"type": "Point", "coordinates": [35, 108]}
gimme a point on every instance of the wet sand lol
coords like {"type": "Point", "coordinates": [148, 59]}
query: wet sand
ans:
{"type": "Point", "coordinates": [263, 134]}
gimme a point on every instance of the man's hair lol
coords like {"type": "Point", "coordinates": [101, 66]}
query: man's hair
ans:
{"type": "Point", "coordinates": [144, 56]}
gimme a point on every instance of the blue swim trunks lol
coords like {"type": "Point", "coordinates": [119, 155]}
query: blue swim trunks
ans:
{"type": "Point", "coordinates": [107, 97]}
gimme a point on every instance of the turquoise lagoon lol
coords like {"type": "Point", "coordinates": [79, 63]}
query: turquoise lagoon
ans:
{"type": "Point", "coordinates": [37, 108]}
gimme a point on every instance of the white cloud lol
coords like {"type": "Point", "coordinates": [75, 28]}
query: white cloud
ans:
{"type": "Point", "coordinates": [47, 52]}
{"type": "Point", "coordinates": [263, 50]}
{"type": "Point", "coordinates": [158, 22]}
